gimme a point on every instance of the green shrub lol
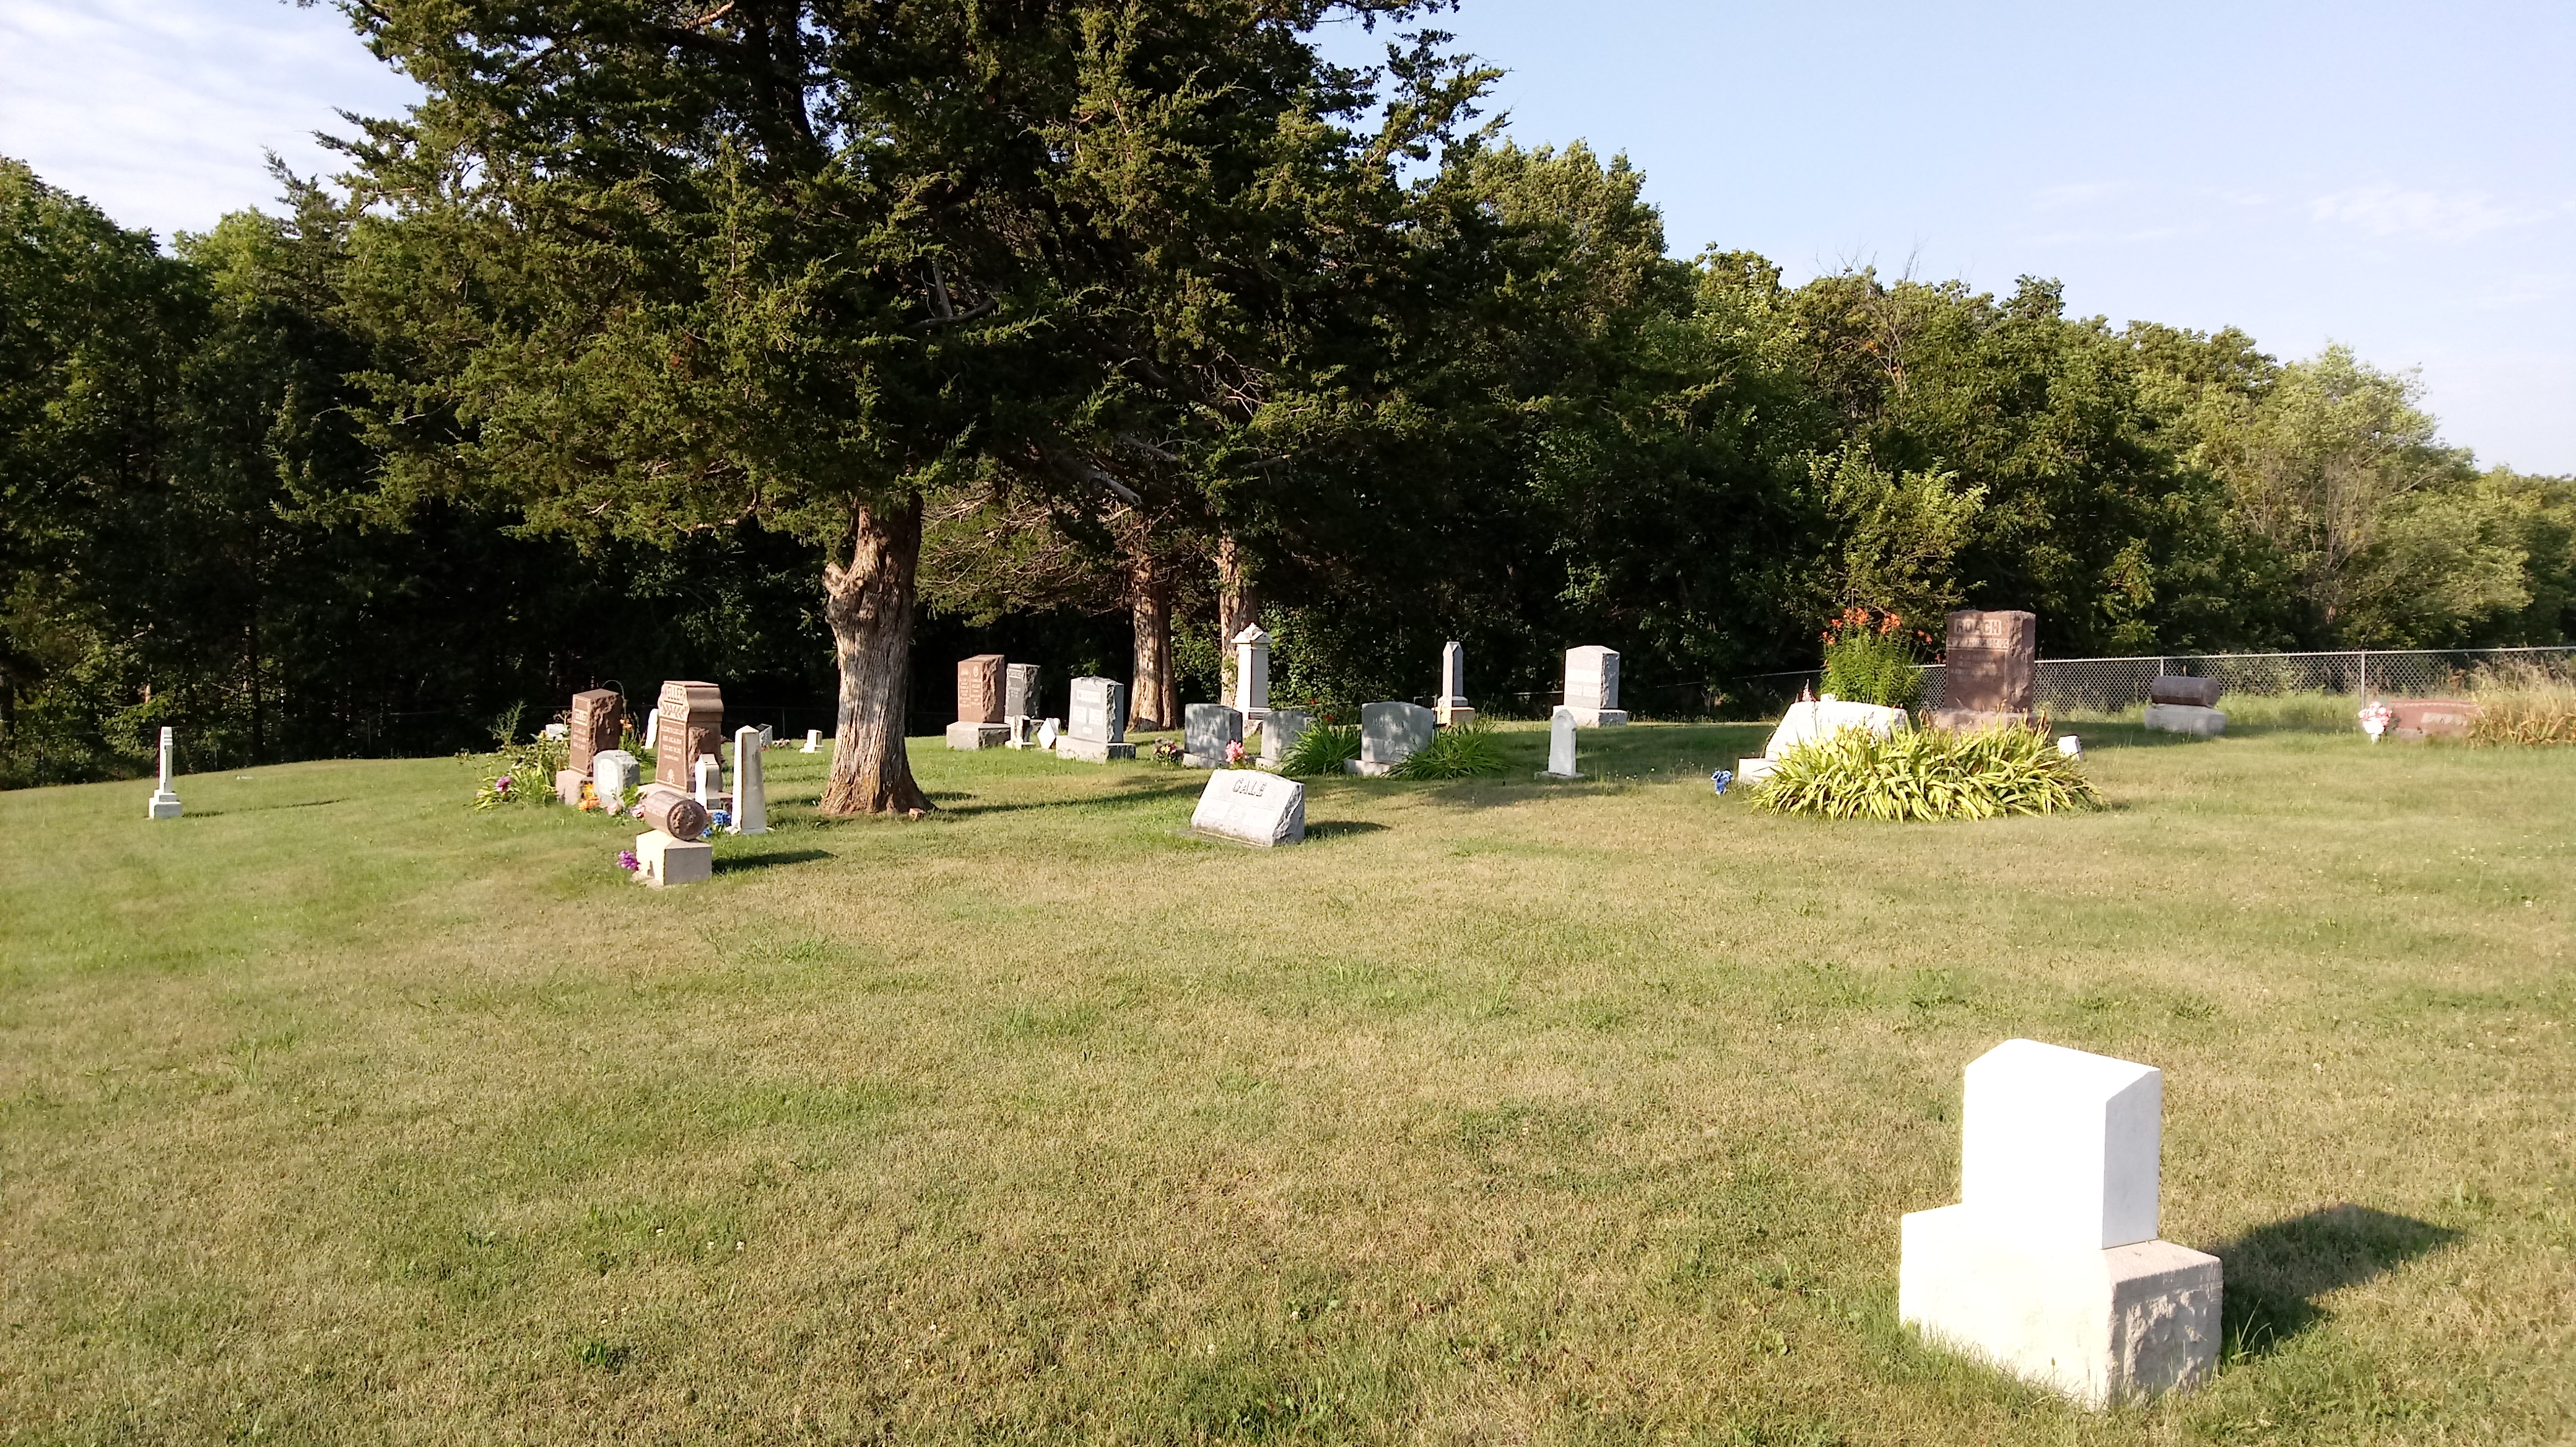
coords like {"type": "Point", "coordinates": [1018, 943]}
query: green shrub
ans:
{"type": "Point", "coordinates": [528, 768]}
{"type": "Point", "coordinates": [1926, 774]}
{"type": "Point", "coordinates": [1869, 658]}
{"type": "Point", "coordinates": [1322, 749]}
{"type": "Point", "coordinates": [1461, 751]}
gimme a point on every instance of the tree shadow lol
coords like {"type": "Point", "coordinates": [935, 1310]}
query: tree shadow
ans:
{"type": "Point", "coordinates": [733, 863]}
{"type": "Point", "coordinates": [2276, 1272]}
{"type": "Point", "coordinates": [1341, 829]}
{"type": "Point", "coordinates": [259, 808]}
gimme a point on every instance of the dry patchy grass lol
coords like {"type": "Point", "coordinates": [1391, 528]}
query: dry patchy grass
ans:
{"type": "Point", "coordinates": [1498, 1112]}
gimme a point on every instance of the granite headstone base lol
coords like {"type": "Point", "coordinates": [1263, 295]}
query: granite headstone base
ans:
{"type": "Point", "coordinates": [663, 860]}
{"type": "Point", "coordinates": [1970, 720]}
{"type": "Point", "coordinates": [568, 784]}
{"type": "Point", "coordinates": [1092, 751]}
{"type": "Point", "coordinates": [2099, 1326]}
{"type": "Point", "coordinates": [2184, 718]}
{"type": "Point", "coordinates": [1600, 718]}
{"type": "Point", "coordinates": [966, 735]}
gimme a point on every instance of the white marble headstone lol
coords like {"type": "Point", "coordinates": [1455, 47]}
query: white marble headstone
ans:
{"type": "Point", "coordinates": [813, 741]}
{"type": "Point", "coordinates": [612, 773]}
{"type": "Point", "coordinates": [652, 725]}
{"type": "Point", "coordinates": [1390, 733]}
{"type": "Point", "coordinates": [1809, 720]}
{"type": "Point", "coordinates": [1592, 686]}
{"type": "Point", "coordinates": [1560, 744]}
{"type": "Point", "coordinates": [164, 803]}
{"type": "Point", "coordinates": [2062, 1145]}
{"type": "Point", "coordinates": [1252, 807]}
{"type": "Point", "coordinates": [1099, 711]}
{"type": "Point", "coordinates": [1252, 673]}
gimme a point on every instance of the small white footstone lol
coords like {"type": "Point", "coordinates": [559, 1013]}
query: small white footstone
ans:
{"type": "Point", "coordinates": [1560, 746]}
{"type": "Point", "coordinates": [1252, 807]}
{"type": "Point", "coordinates": [2184, 718]}
{"type": "Point", "coordinates": [2099, 1325]}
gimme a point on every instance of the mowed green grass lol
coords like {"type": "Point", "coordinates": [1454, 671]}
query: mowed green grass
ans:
{"type": "Point", "coordinates": [1497, 1112]}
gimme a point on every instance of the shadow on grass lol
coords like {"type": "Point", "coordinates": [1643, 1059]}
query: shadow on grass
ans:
{"type": "Point", "coordinates": [1341, 829]}
{"type": "Point", "coordinates": [260, 808]}
{"type": "Point", "coordinates": [2275, 1273]}
{"type": "Point", "coordinates": [1081, 801]}
{"type": "Point", "coordinates": [733, 863]}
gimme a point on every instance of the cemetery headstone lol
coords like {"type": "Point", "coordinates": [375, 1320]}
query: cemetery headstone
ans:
{"type": "Point", "coordinates": [768, 736]}
{"type": "Point", "coordinates": [1098, 731]}
{"type": "Point", "coordinates": [1051, 738]}
{"type": "Point", "coordinates": [1020, 692]}
{"type": "Point", "coordinates": [1811, 719]}
{"type": "Point", "coordinates": [1450, 706]}
{"type": "Point", "coordinates": [690, 720]}
{"type": "Point", "coordinates": [556, 731]}
{"type": "Point", "coordinates": [1560, 746]}
{"type": "Point", "coordinates": [1280, 731]}
{"type": "Point", "coordinates": [2049, 1267]}
{"type": "Point", "coordinates": [1251, 807]}
{"type": "Point", "coordinates": [652, 725]}
{"type": "Point", "coordinates": [165, 800]}
{"type": "Point", "coordinates": [979, 704]}
{"type": "Point", "coordinates": [709, 789]}
{"type": "Point", "coordinates": [2180, 705]}
{"type": "Point", "coordinates": [1990, 669]}
{"type": "Point", "coordinates": [2430, 718]}
{"type": "Point", "coordinates": [1252, 674]}
{"type": "Point", "coordinates": [750, 784]}
{"type": "Point", "coordinates": [1206, 728]}
{"type": "Point", "coordinates": [1592, 687]}
{"type": "Point", "coordinates": [672, 812]}
{"type": "Point", "coordinates": [813, 741]}
{"type": "Point", "coordinates": [1390, 733]}
{"type": "Point", "coordinates": [598, 724]}
{"type": "Point", "coordinates": [612, 773]}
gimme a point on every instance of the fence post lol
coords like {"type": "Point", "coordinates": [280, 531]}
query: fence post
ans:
{"type": "Point", "coordinates": [2365, 678]}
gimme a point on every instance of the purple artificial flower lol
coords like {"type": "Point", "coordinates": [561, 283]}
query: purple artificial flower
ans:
{"type": "Point", "coordinates": [626, 860]}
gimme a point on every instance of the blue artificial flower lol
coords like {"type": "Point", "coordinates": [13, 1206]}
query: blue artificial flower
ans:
{"type": "Point", "coordinates": [1721, 779]}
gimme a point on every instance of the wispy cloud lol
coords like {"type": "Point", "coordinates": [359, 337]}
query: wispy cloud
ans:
{"type": "Point", "coordinates": [2391, 210]}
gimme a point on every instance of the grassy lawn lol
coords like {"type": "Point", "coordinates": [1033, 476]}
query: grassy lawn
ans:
{"type": "Point", "coordinates": [1579, 1113]}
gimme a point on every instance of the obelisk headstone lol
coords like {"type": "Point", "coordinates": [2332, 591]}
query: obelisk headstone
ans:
{"type": "Point", "coordinates": [165, 801]}
{"type": "Point", "coordinates": [1451, 706]}
{"type": "Point", "coordinates": [750, 785]}
{"type": "Point", "coordinates": [1252, 675]}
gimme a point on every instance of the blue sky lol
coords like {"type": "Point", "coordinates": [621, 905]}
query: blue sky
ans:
{"type": "Point", "coordinates": [2398, 178]}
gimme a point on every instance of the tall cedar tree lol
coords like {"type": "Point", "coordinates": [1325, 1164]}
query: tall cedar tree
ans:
{"type": "Point", "coordinates": [650, 268]}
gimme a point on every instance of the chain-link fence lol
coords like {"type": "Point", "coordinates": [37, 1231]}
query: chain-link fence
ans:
{"type": "Point", "coordinates": [2107, 685]}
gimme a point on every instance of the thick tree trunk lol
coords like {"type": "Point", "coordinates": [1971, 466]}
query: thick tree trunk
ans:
{"type": "Point", "coordinates": [869, 607]}
{"type": "Point", "coordinates": [1154, 695]}
{"type": "Point", "coordinates": [1237, 606]}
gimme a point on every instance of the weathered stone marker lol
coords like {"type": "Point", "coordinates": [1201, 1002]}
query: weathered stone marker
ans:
{"type": "Point", "coordinates": [1252, 674]}
{"type": "Point", "coordinates": [813, 741]}
{"type": "Point", "coordinates": [2049, 1266]}
{"type": "Point", "coordinates": [1450, 705]}
{"type": "Point", "coordinates": [1252, 807]}
{"type": "Point", "coordinates": [1808, 720]}
{"type": "Point", "coordinates": [1390, 733]}
{"type": "Point", "coordinates": [1560, 746]}
{"type": "Point", "coordinates": [750, 784]}
{"type": "Point", "coordinates": [1280, 731]}
{"type": "Point", "coordinates": [1019, 699]}
{"type": "Point", "coordinates": [165, 800]}
{"type": "Point", "coordinates": [613, 773]}
{"type": "Point", "coordinates": [979, 704]}
{"type": "Point", "coordinates": [674, 850]}
{"type": "Point", "coordinates": [690, 722]}
{"type": "Point", "coordinates": [1206, 728]}
{"type": "Point", "coordinates": [1990, 669]}
{"type": "Point", "coordinates": [598, 725]}
{"type": "Point", "coordinates": [709, 788]}
{"type": "Point", "coordinates": [2180, 705]}
{"type": "Point", "coordinates": [1097, 730]}
{"type": "Point", "coordinates": [2431, 718]}
{"type": "Point", "coordinates": [1592, 687]}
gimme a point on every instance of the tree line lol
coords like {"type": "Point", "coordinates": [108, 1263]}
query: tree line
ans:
{"type": "Point", "coordinates": [792, 341]}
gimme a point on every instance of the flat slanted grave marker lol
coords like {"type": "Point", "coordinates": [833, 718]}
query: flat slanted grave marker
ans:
{"type": "Point", "coordinates": [2049, 1266]}
{"type": "Point", "coordinates": [1251, 807]}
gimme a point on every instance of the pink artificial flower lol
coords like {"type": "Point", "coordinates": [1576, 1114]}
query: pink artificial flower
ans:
{"type": "Point", "coordinates": [1234, 751]}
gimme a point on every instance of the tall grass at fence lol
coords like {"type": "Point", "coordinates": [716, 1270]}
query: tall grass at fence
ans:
{"type": "Point", "coordinates": [2523, 702]}
{"type": "Point", "coordinates": [2300, 712]}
